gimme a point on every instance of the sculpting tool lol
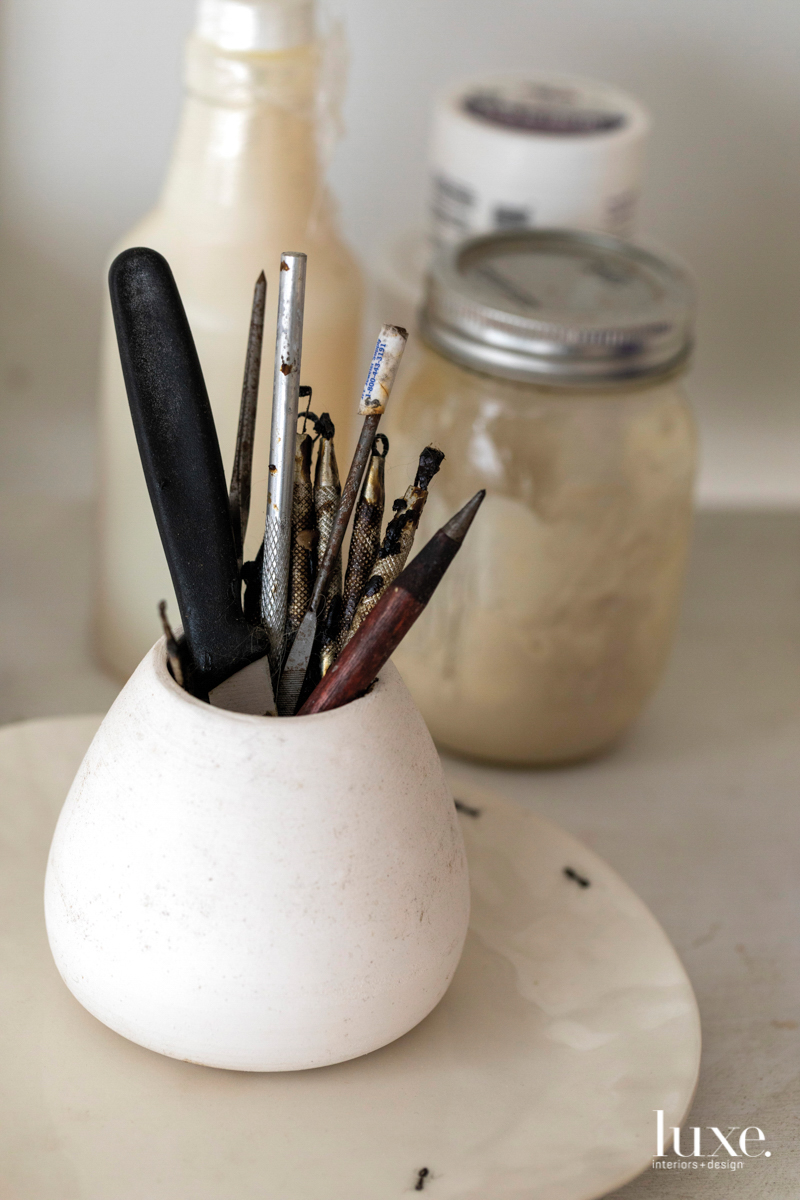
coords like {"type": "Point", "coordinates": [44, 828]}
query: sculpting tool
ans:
{"type": "Point", "coordinates": [285, 399]}
{"type": "Point", "coordinates": [329, 641]}
{"type": "Point", "coordinates": [398, 540]}
{"type": "Point", "coordinates": [365, 540]}
{"type": "Point", "coordinates": [253, 571]}
{"type": "Point", "coordinates": [388, 623]}
{"type": "Point", "coordinates": [327, 494]}
{"type": "Point", "coordinates": [304, 535]}
{"type": "Point", "coordinates": [182, 464]}
{"type": "Point", "coordinates": [327, 488]}
{"type": "Point", "coordinates": [380, 379]}
{"type": "Point", "coordinates": [242, 474]}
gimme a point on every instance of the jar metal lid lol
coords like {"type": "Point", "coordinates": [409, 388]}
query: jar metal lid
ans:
{"type": "Point", "coordinates": [559, 307]}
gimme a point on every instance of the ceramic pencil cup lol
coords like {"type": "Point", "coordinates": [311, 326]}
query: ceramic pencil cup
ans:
{"type": "Point", "coordinates": [252, 893]}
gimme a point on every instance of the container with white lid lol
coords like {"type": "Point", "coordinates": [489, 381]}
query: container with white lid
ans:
{"type": "Point", "coordinates": [551, 377]}
{"type": "Point", "coordinates": [508, 153]}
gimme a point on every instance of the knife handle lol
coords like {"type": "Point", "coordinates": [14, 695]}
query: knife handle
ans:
{"type": "Point", "coordinates": [181, 459]}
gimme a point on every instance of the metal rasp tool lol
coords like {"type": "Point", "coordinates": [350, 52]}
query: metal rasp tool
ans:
{"type": "Point", "coordinates": [182, 464]}
{"type": "Point", "coordinates": [380, 379]}
{"type": "Point", "coordinates": [285, 401]}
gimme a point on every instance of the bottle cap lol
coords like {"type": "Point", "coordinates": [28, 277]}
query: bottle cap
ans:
{"type": "Point", "coordinates": [546, 151]}
{"type": "Point", "coordinates": [559, 307]}
{"type": "Point", "coordinates": [256, 25]}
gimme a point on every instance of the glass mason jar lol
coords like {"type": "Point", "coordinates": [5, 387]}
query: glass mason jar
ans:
{"type": "Point", "coordinates": [550, 377]}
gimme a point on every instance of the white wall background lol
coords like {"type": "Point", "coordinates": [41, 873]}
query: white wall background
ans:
{"type": "Point", "coordinates": [89, 94]}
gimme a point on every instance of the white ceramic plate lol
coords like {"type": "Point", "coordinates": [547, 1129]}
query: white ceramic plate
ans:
{"type": "Point", "coordinates": [569, 1021]}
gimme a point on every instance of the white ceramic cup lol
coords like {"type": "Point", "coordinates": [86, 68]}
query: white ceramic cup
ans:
{"type": "Point", "coordinates": [253, 893]}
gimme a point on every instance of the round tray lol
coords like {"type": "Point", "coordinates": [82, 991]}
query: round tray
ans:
{"type": "Point", "coordinates": [570, 1020]}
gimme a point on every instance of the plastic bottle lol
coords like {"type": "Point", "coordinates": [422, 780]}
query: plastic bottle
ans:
{"type": "Point", "coordinates": [246, 181]}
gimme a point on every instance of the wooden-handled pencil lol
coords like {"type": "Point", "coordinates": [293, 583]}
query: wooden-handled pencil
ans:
{"type": "Point", "coordinates": [391, 619]}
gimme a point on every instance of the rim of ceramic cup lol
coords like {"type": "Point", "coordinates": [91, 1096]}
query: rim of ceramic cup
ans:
{"type": "Point", "coordinates": [165, 678]}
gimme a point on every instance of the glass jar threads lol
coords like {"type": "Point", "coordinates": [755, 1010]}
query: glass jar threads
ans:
{"type": "Point", "coordinates": [550, 376]}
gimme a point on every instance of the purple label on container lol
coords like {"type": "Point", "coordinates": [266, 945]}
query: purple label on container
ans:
{"type": "Point", "coordinates": [535, 115]}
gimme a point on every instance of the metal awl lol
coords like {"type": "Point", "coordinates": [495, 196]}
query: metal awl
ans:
{"type": "Point", "coordinates": [285, 400]}
{"type": "Point", "coordinates": [241, 477]}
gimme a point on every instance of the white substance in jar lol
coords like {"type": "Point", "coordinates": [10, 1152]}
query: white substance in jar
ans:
{"type": "Point", "coordinates": [552, 626]}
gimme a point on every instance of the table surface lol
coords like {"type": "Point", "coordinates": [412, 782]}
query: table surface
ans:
{"type": "Point", "coordinates": [570, 1018]}
{"type": "Point", "coordinates": [697, 809]}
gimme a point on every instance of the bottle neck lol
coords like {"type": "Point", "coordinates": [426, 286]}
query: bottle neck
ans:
{"type": "Point", "coordinates": [256, 25]}
{"type": "Point", "coordinates": [246, 157]}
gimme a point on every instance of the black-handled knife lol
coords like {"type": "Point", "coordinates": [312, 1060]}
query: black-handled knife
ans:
{"type": "Point", "coordinates": [182, 464]}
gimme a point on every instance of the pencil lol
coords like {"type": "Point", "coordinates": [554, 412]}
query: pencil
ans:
{"type": "Point", "coordinates": [388, 623]}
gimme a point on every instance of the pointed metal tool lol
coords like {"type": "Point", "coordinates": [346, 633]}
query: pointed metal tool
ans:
{"type": "Point", "coordinates": [242, 474]}
{"type": "Point", "coordinates": [380, 379]}
{"type": "Point", "coordinates": [285, 401]}
{"type": "Point", "coordinates": [249, 690]}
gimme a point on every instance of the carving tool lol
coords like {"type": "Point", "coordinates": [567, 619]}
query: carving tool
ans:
{"type": "Point", "coordinates": [304, 535]}
{"type": "Point", "coordinates": [398, 540]}
{"type": "Point", "coordinates": [388, 623]}
{"type": "Point", "coordinates": [285, 400]}
{"type": "Point", "coordinates": [242, 474]}
{"type": "Point", "coordinates": [380, 379]}
{"type": "Point", "coordinates": [327, 494]}
{"type": "Point", "coordinates": [182, 464]}
{"type": "Point", "coordinates": [365, 540]}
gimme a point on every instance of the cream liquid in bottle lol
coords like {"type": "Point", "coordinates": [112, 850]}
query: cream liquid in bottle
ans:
{"type": "Point", "coordinates": [245, 183]}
